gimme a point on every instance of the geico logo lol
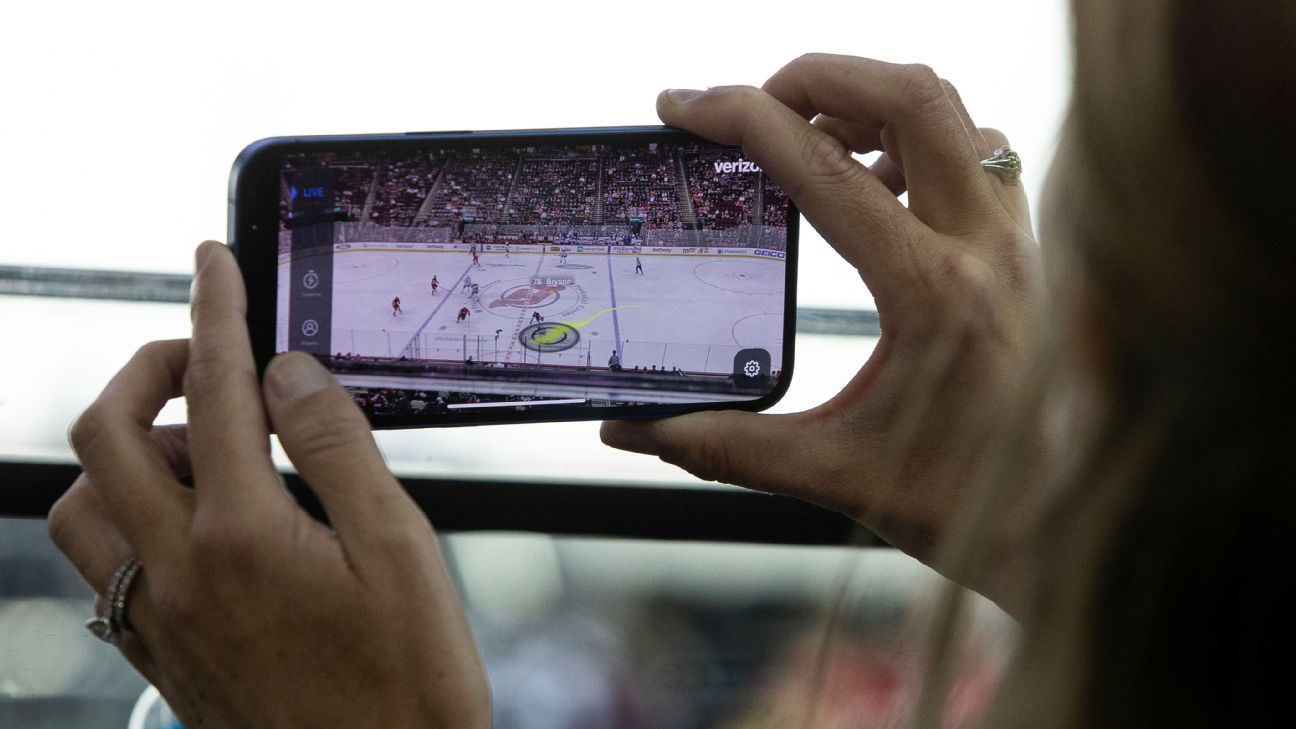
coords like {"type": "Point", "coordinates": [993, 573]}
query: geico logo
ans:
{"type": "Point", "coordinates": [741, 165]}
{"type": "Point", "coordinates": [770, 254]}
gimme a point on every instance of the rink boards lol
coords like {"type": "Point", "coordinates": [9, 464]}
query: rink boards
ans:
{"type": "Point", "coordinates": [692, 310]}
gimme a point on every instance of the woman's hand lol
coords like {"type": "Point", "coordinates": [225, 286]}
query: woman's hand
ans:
{"type": "Point", "coordinates": [955, 277]}
{"type": "Point", "coordinates": [248, 612]}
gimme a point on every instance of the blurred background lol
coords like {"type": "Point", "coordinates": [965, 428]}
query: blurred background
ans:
{"type": "Point", "coordinates": [123, 121]}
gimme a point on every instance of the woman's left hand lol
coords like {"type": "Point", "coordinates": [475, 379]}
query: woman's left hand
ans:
{"type": "Point", "coordinates": [248, 612]}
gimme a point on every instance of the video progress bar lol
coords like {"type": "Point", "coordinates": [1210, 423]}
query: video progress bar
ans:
{"type": "Point", "coordinates": [517, 404]}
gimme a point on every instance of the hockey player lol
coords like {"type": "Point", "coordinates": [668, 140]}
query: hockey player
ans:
{"type": "Point", "coordinates": [396, 306]}
{"type": "Point", "coordinates": [475, 295]}
{"type": "Point", "coordinates": [638, 266]}
{"type": "Point", "coordinates": [463, 314]}
{"type": "Point", "coordinates": [507, 249]}
{"type": "Point", "coordinates": [467, 287]}
{"type": "Point", "coordinates": [475, 261]}
{"type": "Point", "coordinates": [435, 284]}
{"type": "Point", "coordinates": [536, 317]}
{"type": "Point", "coordinates": [562, 255]}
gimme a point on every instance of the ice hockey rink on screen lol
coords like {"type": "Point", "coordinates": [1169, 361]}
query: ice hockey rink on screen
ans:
{"type": "Point", "coordinates": [659, 308]}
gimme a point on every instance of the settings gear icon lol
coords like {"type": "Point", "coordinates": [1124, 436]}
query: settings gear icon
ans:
{"type": "Point", "coordinates": [752, 368]}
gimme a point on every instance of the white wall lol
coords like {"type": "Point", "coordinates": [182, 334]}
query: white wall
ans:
{"type": "Point", "coordinates": [121, 119]}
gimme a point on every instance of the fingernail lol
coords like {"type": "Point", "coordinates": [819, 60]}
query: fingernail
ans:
{"type": "Point", "coordinates": [679, 96]}
{"type": "Point", "coordinates": [296, 375]}
{"type": "Point", "coordinates": [629, 436]}
{"type": "Point", "coordinates": [203, 253]}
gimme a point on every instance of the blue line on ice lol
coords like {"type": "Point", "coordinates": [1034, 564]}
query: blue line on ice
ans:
{"type": "Point", "coordinates": [616, 323]}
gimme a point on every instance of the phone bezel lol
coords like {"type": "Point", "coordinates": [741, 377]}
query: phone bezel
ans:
{"type": "Point", "coordinates": [254, 228]}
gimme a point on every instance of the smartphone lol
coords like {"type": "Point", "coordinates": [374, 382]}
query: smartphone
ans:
{"type": "Point", "coordinates": [453, 278]}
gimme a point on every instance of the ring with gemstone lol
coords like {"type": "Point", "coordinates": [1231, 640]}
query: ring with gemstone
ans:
{"type": "Point", "coordinates": [1006, 163]}
{"type": "Point", "coordinates": [109, 625]}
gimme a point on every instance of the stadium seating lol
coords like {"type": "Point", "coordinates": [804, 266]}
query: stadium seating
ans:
{"type": "Point", "coordinates": [586, 186]}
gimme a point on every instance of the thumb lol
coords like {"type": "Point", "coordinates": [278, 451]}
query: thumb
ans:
{"type": "Point", "coordinates": [329, 442]}
{"type": "Point", "coordinates": [774, 453]}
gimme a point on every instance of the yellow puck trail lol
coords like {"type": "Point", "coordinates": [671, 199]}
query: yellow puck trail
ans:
{"type": "Point", "coordinates": [549, 336]}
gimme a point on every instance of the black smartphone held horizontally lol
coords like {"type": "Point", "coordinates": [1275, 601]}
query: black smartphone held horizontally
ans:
{"type": "Point", "coordinates": [450, 278]}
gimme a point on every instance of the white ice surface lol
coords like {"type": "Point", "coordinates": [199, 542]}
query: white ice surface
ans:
{"type": "Point", "coordinates": [686, 311]}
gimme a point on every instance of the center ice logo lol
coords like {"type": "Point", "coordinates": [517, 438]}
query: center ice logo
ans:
{"type": "Point", "coordinates": [528, 296]}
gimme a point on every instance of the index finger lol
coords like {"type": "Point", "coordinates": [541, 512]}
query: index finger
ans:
{"type": "Point", "coordinates": [229, 442]}
{"type": "Point", "coordinates": [845, 202]}
{"type": "Point", "coordinates": [115, 441]}
{"type": "Point", "coordinates": [914, 119]}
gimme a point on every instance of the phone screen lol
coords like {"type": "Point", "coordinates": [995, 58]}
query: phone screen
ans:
{"type": "Point", "coordinates": [439, 280]}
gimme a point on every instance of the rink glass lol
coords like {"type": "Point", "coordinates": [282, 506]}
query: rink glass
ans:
{"type": "Point", "coordinates": [580, 273]}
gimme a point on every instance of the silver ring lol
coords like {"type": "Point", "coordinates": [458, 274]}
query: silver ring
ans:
{"type": "Point", "coordinates": [109, 626]}
{"type": "Point", "coordinates": [1006, 163]}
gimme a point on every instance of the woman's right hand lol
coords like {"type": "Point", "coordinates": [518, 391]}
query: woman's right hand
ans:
{"type": "Point", "coordinates": [248, 612]}
{"type": "Point", "coordinates": [955, 276]}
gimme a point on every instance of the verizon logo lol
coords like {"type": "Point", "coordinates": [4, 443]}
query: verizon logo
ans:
{"type": "Point", "coordinates": [741, 165]}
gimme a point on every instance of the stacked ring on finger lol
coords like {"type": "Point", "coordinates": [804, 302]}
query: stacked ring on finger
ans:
{"type": "Point", "coordinates": [1006, 163]}
{"type": "Point", "coordinates": [109, 626]}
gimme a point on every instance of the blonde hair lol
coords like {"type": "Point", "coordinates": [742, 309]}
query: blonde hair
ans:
{"type": "Point", "coordinates": [1160, 556]}
{"type": "Point", "coordinates": [1170, 244]}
